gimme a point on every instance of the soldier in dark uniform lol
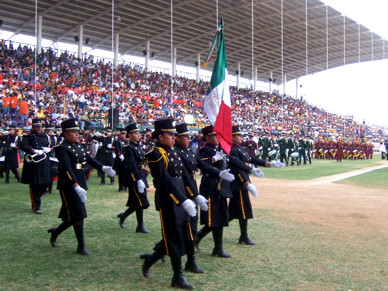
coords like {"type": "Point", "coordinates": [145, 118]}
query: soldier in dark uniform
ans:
{"type": "Point", "coordinates": [105, 153]}
{"type": "Point", "coordinates": [171, 201]}
{"type": "Point", "coordinates": [240, 205]}
{"type": "Point", "coordinates": [72, 184]}
{"type": "Point", "coordinates": [283, 150]}
{"type": "Point", "coordinates": [251, 146]}
{"type": "Point", "coordinates": [302, 151]}
{"type": "Point", "coordinates": [135, 178]}
{"type": "Point", "coordinates": [53, 163]}
{"type": "Point", "coordinates": [36, 168]}
{"type": "Point", "coordinates": [215, 188]}
{"type": "Point", "coordinates": [189, 169]}
{"type": "Point", "coordinates": [118, 164]}
{"type": "Point", "coordinates": [148, 140]}
{"type": "Point", "coordinates": [11, 159]}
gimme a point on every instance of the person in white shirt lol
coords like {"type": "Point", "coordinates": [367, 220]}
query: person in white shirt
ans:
{"type": "Point", "coordinates": [383, 151]}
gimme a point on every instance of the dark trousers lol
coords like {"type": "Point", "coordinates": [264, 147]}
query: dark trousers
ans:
{"type": "Point", "coordinates": [36, 192]}
{"type": "Point", "coordinates": [283, 157]}
{"type": "Point", "coordinates": [14, 171]}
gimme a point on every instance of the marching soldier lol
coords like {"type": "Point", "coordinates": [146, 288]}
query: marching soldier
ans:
{"type": "Point", "coordinates": [302, 151]}
{"type": "Point", "coordinates": [171, 201]}
{"type": "Point", "coordinates": [105, 153]}
{"type": "Point", "coordinates": [189, 169]}
{"type": "Point", "coordinates": [36, 168]}
{"type": "Point", "coordinates": [215, 188]}
{"type": "Point", "coordinates": [72, 184]}
{"type": "Point", "coordinates": [118, 164]}
{"type": "Point", "coordinates": [53, 164]}
{"type": "Point", "coordinates": [11, 161]}
{"type": "Point", "coordinates": [283, 150]}
{"type": "Point", "coordinates": [240, 205]}
{"type": "Point", "coordinates": [135, 178]}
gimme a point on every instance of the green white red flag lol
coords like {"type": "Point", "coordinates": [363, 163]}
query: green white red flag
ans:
{"type": "Point", "coordinates": [217, 103]}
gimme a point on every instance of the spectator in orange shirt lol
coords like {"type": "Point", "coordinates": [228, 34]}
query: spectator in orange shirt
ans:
{"type": "Point", "coordinates": [6, 105]}
{"type": "Point", "coordinates": [23, 106]}
{"type": "Point", "coordinates": [13, 103]}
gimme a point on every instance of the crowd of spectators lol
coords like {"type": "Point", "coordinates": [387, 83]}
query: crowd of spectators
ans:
{"type": "Point", "coordinates": [66, 86]}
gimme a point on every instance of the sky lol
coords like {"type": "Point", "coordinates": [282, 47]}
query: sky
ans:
{"type": "Point", "coordinates": [357, 90]}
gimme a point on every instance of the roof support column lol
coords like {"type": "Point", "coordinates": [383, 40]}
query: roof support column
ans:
{"type": "Point", "coordinates": [296, 88]}
{"type": "Point", "coordinates": [174, 63]}
{"type": "Point", "coordinates": [238, 76]}
{"type": "Point", "coordinates": [284, 85]}
{"type": "Point", "coordinates": [254, 79]}
{"type": "Point", "coordinates": [39, 36]}
{"type": "Point", "coordinates": [147, 56]}
{"type": "Point", "coordinates": [270, 82]}
{"type": "Point", "coordinates": [80, 41]}
{"type": "Point", "coordinates": [116, 52]}
{"type": "Point", "coordinates": [198, 67]}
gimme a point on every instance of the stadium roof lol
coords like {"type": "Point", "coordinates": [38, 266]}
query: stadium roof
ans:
{"type": "Point", "coordinates": [194, 24]}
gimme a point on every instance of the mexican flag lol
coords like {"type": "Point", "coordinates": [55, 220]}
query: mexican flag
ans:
{"type": "Point", "coordinates": [217, 101]}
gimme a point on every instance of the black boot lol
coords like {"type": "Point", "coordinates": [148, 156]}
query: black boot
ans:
{"type": "Point", "coordinates": [50, 187]}
{"type": "Point", "coordinates": [140, 226]}
{"type": "Point", "coordinates": [217, 237]}
{"type": "Point", "coordinates": [201, 234]}
{"type": "Point", "coordinates": [6, 176]}
{"type": "Point", "coordinates": [55, 231]}
{"type": "Point", "coordinates": [178, 280]}
{"type": "Point", "coordinates": [191, 264]}
{"type": "Point", "coordinates": [124, 215]}
{"type": "Point", "coordinates": [102, 179]}
{"type": "Point", "coordinates": [244, 233]}
{"type": "Point", "coordinates": [79, 233]}
{"type": "Point", "coordinates": [149, 260]}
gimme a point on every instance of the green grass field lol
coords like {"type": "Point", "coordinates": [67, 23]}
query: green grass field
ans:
{"type": "Point", "coordinates": [320, 168]}
{"type": "Point", "coordinates": [288, 255]}
{"type": "Point", "coordinates": [375, 179]}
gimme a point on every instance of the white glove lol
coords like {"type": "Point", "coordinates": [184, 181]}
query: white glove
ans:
{"type": "Point", "coordinates": [140, 186]}
{"type": "Point", "coordinates": [12, 145]}
{"type": "Point", "coordinates": [218, 156]}
{"type": "Point", "coordinates": [226, 175]}
{"type": "Point", "coordinates": [257, 172]}
{"type": "Point", "coordinates": [46, 150]}
{"type": "Point", "coordinates": [252, 189]}
{"type": "Point", "coordinates": [109, 171]}
{"type": "Point", "coordinates": [202, 202]}
{"type": "Point", "coordinates": [121, 157]}
{"type": "Point", "coordinates": [189, 207]}
{"type": "Point", "coordinates": [81, 193]}
{"type": "Point", "coordinates": [39, 152]}
{"type": "Point", "coordinates": [276, 164]}
{"type": "Point", "coordinates": [109, 146]}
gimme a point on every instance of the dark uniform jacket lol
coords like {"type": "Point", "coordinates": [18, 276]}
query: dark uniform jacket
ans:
{"type": "Point", "coordinates": [36, 173]}
{"type": "Point", "coordinates": [11, 154]}
{"type": "Point", "coordinates": [118, 146]}
{"type": "Point", "coordinates": [72, 160]}
{"type": "Point", "coordinates": [104, 154]}
{"type": "Point", "coordinates": [134, 162]}
{"type": "Point", "coordinates": [190, 166]}
{"type": "Point", "coordinates": [166, 169]}
{"type": "Point", "coordinates": [213, 188]}
{"type": "Point", "coordinates": [241, 173]}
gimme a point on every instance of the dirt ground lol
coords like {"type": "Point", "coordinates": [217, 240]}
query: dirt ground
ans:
{"type": "Point", "coordinates": [323, 202]}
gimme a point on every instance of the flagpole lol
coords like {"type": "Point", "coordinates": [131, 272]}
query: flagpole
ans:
{"type": "Point", "coordinates": [113, 15]}
{"type": "Point", "coordinates": [172, 62]}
